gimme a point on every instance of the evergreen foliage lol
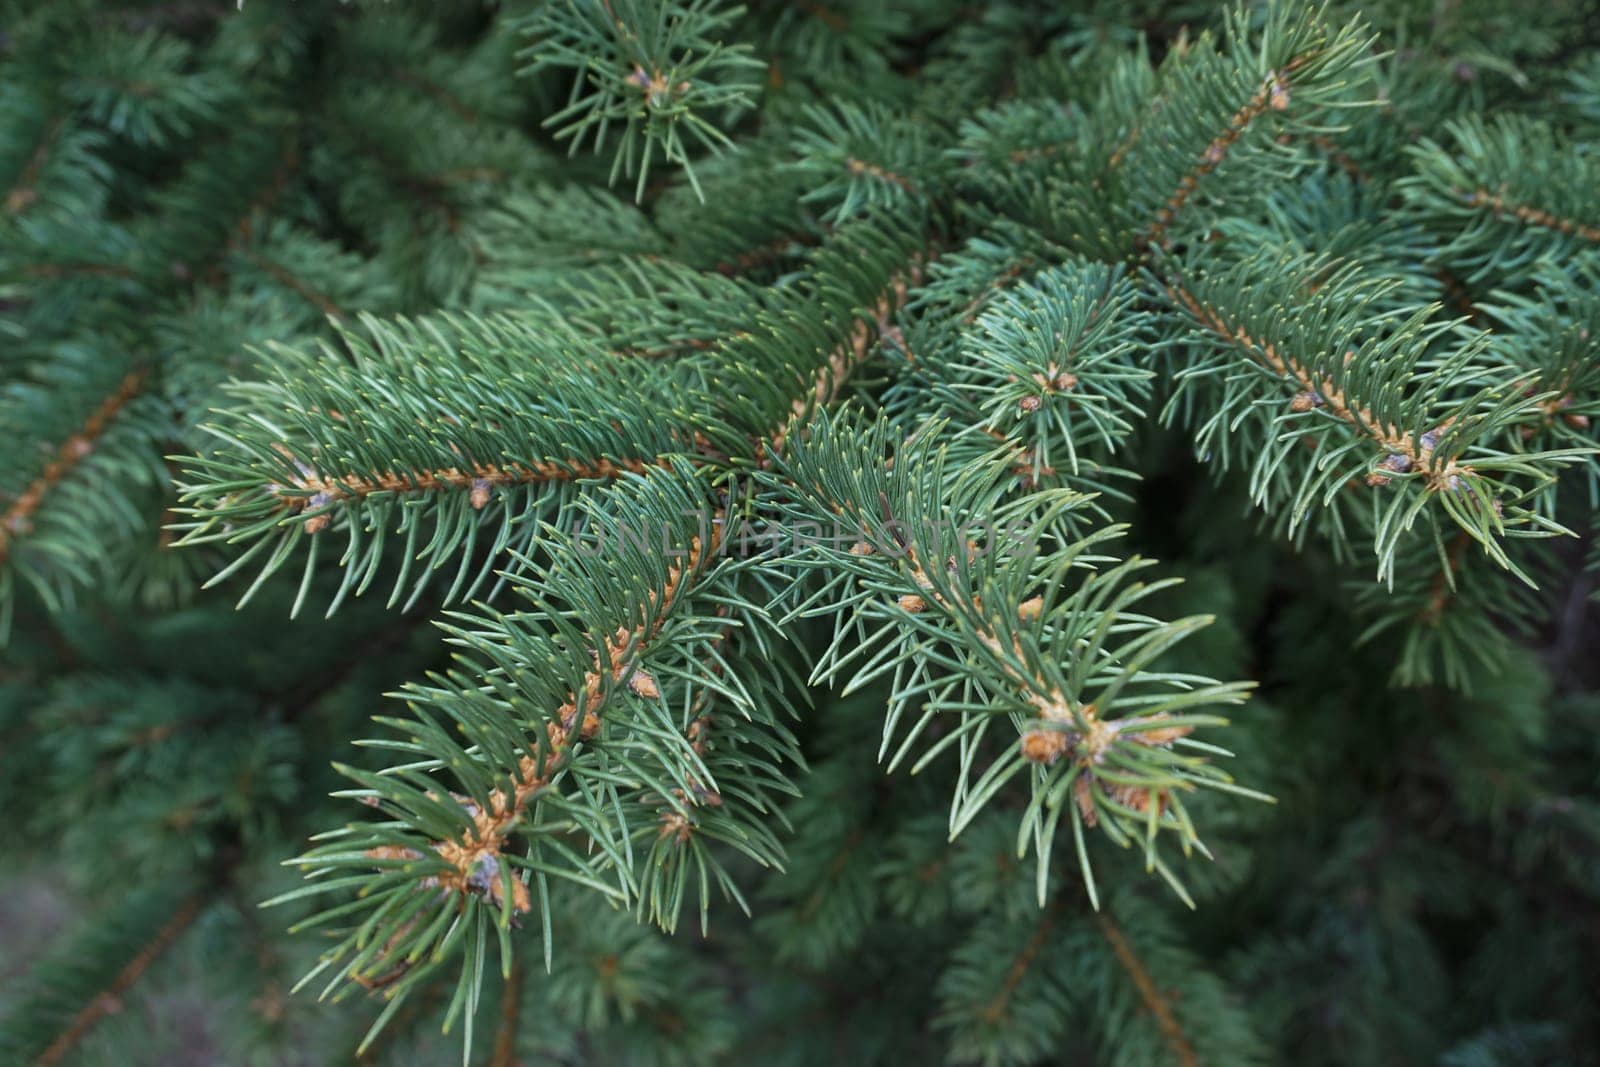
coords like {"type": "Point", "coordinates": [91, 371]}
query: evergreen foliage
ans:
{"type": "Point", "coordinates": [1020, 533]}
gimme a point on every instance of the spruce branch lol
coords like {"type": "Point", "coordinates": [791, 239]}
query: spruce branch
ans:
{"type": "Point", "coordinates": [654, 67]}
{"type": "Point", "coordinates": [1501, 195]}
{"type": "Point", "coordinates": [1448, 618]}
{"type": "Point", "coordinates": [124, 980]}
{"type": "Point", "coordinates": [999, 997]}
{"type": "Point", "coordinates": [617, 658]}
{"type": "Point", "coordinates": [1212, 111]}
{"type": "Point", "coordinates": [69, 995]}
{"type": "Point", "coordinates": [1353, 380]}
{"type": "Point", "coordinates": [18, 516]}
{"type": "Point", "coordinates": [554, 758]}
{"type": "Point", "coordinates": [484, 421]}
{"type": "Point", "coordinates": [22, 193]}
{"type": "Point", "coordinates": [1152, 998]}
{"type": "Point", "coordinates": [861, 160]}
{"type": "Point", "coordinates": [981, 634]}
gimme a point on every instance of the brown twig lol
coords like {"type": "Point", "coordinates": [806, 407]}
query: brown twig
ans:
{"type": "Point", "coordinates": [859, 167]}
{"type": "Point", "coordinates": [107, 1001]}
{"type": "Point", "coordinates": [616, 660]}
{"type": "Point", "coordinates": [25, 191]}
{"type": "Point", "coordinates": [1273, 95]}
{"type": "Point", "coordinates": [311, 295]}
{"type": "Point", "coordinates": [19, 516]}
{"type": "Point", "coordinates": [763, 254]}
{"type": "Point", "coordinates": [842, 361]}
{"type": "Point", "coordinates": [504, 1053]}
{"type": "Point", "coordinates": [315, 490]}
{"type": "Point", "coordinates": [1443, 584]}
{"type": "Point", "coordinates": [1502, 208]}
{"type": "Point", "coordinates": [1157, 1005]}
{"type": "Point", "coordinates": [995, 1009]}
{"type": "Point", "coordinates": [245, 227]}
{"type": "Point", "coordinates": [1417, 453]}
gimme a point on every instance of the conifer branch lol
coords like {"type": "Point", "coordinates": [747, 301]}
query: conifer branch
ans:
{"type": "Point", "coordinates": [1272, 95]}
{"type": "Point", "coordinates": [994, 1011]}
{"type": "Point", "coordinates": [763, 254]}
{"type": "Point", "coordinates": [1416, 451]}
{"type": "Point", "coordinates": [1158, 1006]}
{"type": "Point", "coordinates": [617, 657]}
{"type": "Point", "coordinates": [1502, 195]}
{"type": "Point", "coordinates": [1369, 396]}
{"type": "Point", "coordinates": [828, 380]}
{"type": "Point", "coordinates": [317, 299]}
{"type": "Point", "coordinates": [927, 588]}
{"type": "Point", "coordinates": [108, 1001]}
{"type": "Point", "coordinates": [1444, 583]}
{"type": "Point", "coordinates": [18, 516]}
{"type": "Point", "coordinates": [1500, 207]}
{"type": "Point", "coordinates": [314, 491]}
{"type": "Point", "coordinates": [24, 191]}
{"type": "Point", "coordinates": [262, 204]}
{"type": "Point", "coordinates": [68, 270]}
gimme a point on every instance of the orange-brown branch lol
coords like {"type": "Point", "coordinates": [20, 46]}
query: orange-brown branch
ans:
{"type": "Point", "coordinates": [428, 87]}
{"type": "Point", "coordinates": [1273, 95]}
{"type": "Point", "coordinates": [616, 662]}
{"type": "Point", "coordinates": [995, 1010]}
{"type": "Point", "coordinates": [843, 361]}
{"type": "Point", "coordinates": [25, 191]}
{"type": "Point", "coordinates": [480, 478]}
{"type": "Point", "coordinates": [19, 516]}
{"type": "Point", "coordinates": [73, 270]}
{"type": "Point", "coordinates": [1157, 1004]}
{"type": "Point", "coordinates": [262, 204]}
{"type": "Point", "coordinates": [827, 16]}
{"type": "Point", "coordinates": [1443, 583]}
{"type": "Point", "coordinates": [1502, 208]}
{"type": "Point", "coordinates": [762, 254]}
{"type": "Point", "coordinates": [858, 166]}
{"type": "Point", "coordinates": [1418, 453]}
{"type": "Point", "coordinates": [299, 286]}
{"type": "Point", "coordinates": [1339, 157]}
{"type": "Point", "coordinates": [674, 349]}
{"type": "Point", "coordinates": [106, 1002]}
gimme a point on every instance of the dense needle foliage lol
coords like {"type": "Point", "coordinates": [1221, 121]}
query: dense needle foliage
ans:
{"type": "Point", "coordinates": [1009, 533]}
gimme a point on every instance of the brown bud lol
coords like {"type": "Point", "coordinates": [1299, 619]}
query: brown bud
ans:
{"type": "Point", "coordinates": [1138, 798]}
{"type": "Point", "coordinates": [1305, 401]}
{"type": "Point", "coordinates": [1083, 793]}
{"type": "Point", "coordinates": [318, 523]}
{"type": "Point", "coordinates": [1163, 735]}
{"type": "Point", "coordinates": [393, 852]}
{"type": "Point", "coordinates": [480, 493]}
{"type": "Point", "coordinates": [1279, 100]}
{"type": "Point", "coordinates": [1043, 746]}
{"type": "Point", "coordinates": [913, 604]}
{"type": "Point", "coordinates": [642, 683]}
{"type": "Point", "coordinates": [1029, 404]}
